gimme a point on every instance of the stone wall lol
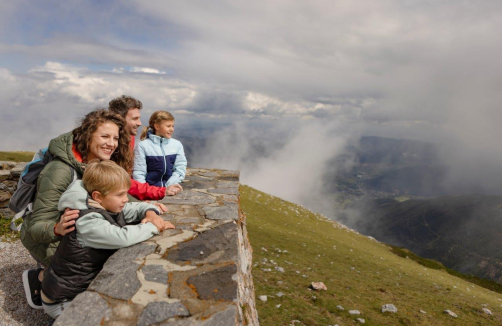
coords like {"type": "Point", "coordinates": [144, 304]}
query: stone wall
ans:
{"type": "Point", "coordinates": [196, 274]}
{"type": "Point", "coordinates": [9, 176]}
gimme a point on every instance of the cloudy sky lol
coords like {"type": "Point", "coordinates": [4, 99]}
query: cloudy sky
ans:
{"type": "Point", "coordinates": [419, 69]}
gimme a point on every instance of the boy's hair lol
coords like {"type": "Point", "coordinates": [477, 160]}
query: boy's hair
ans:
{"type": "Point", "coordinates": [121, 105]}
{"type": "Point", "coordinates": [157, 117]}
{"type": "Point", "coordinates": [105, 176]}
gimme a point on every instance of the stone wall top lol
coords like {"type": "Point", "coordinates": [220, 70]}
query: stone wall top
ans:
{"type": "Point", "coordinates": [196, 274]}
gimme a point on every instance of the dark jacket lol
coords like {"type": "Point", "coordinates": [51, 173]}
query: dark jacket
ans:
{"type": "Point", "coordinates": [74, 267]}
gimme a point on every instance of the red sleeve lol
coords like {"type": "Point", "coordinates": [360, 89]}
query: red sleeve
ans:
{"type": "Point", "coordinates": [143, 191]}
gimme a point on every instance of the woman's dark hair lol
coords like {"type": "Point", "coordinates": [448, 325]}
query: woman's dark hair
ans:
{"type": "Point", "coordinates": [82, 136]}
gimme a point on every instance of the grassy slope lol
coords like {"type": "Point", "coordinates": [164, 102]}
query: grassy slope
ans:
{"type": "Point", "coordinates": [16, 156]}
{"type": "Point", "coordinates": [358, 272]}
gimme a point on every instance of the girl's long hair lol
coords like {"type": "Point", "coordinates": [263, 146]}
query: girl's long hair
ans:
{"type": "Point", "coordinates": [157, 117]}
{"type": "Point", "coordinates": [82, 136]}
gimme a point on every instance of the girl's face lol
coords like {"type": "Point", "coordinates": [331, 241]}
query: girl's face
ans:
{"type": "Point", "coordinates": [104, 142]}
{"type": "Point", "coordinates": [165, 128]}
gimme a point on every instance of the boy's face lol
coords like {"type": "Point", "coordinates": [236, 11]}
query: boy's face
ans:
{"type": "Point", "coordinates": [165, 128]}
{"type": "Point", "coordinates": [114, 201]}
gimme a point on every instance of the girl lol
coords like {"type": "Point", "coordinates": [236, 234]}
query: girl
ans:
{"type": "Point", "coordinates": [159, 159]}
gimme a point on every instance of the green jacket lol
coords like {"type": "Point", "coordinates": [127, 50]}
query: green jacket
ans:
{"type": "Point", "coordinates": [37, 231]}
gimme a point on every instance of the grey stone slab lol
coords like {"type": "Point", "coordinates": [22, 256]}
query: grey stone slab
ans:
{"type": "Point", "coordinates": [155, 273]}
{"type": "Point", "coordinates": [87, 309]}
{"type": "Point", "coordinates": [156, 312]}
{"type": "Point", "coordinates": [197, 178]}
{"type": "Point", "coordinates": [227, 212]}
{"type": "Point", "coordinates": [226, 191]}
{"type": "Point", "coordinates": [222, 238]}
{"type": "Point", "coordinates": [227, 317]}
{"type": "Point", "coordinates": [4, 174]}
{"type": "Point", "coordinates": [218, 284]}
{"type": "Point", "coordinates": [189, 197]}
{"type": "Point", "coordinates": [210, 174]}
{"type": "Point", "coordinates": [198, 185]}
{"type": "Point", "coordinates": [227, 184]}
{"type": "Point", "coordinates": [118, 278]}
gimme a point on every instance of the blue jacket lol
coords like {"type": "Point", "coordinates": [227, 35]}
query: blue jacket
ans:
{"type": "Point", "coordinates": [159, 161]}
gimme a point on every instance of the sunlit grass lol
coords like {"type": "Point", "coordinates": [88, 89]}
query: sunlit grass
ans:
{"type": "Point", "coordinates": [360, 274]}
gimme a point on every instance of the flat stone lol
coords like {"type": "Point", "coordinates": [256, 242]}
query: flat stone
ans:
{"type": "Point", "coordinates": [155, 273]}
{"type": "Point", "coordinates": [229, 173]}
{"type": "Point", "coordinates": [451, 313]}
{"type": "Point", "coordinates": [222, 239]}
{"type": "Point", "coordinates": [225, 191]}
{"type": "Point", "coordinates": [389, 307]}
{"type": "Point", "coordinates": [193, 184]}
{"type": "Point", "coordinates": [4, 174]}
{"type": "Point", "coordinates": [196, 178]}
{"type": "Point", "coordinates": [227, 317]}
{"type": "Point", "coordinates": [118, 278]}
{"type": "Point", "coordinates": [7, 165]}
{"type": "Point", "coordinates": [354, 312]}
{"type": "Point", "coordinates": [189, 197]}
{"type": "Point", "coordinates": [17, 170]}
{"type": "Point", "coordinates": [87, 309]}
{"type": "Point", "coordinates": [217, 284]}
{"type": "Point", "coordinates": [156, 312]}
{"type": "Point", "coordinates": [210, 174]}
{"type": "Point", "coordinates": [487, 311]}
{"type": "Point", "coordinates": [221, 212]}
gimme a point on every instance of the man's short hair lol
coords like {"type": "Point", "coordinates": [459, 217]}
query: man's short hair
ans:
{"type": "Point", "coordinates": [105, 176]}
{"type": "Point", "coordinates": [121, 105]}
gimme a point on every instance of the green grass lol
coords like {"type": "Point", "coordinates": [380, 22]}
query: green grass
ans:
{"type": "Point", "coordinates": [16, 156]}
{"type": "Point", "coordinates": [6, 234]}
{"type": "Point", "coordinates": [360, 274]}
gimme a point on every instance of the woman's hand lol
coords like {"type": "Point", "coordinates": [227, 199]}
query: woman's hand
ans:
{"type": "Point", "coordinates": [67, 222]}
{"type": "Point", "coordinates": [173, 189]}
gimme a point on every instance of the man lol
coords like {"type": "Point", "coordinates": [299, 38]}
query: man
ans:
{"type": "Point", "coordinates": [129, 108]}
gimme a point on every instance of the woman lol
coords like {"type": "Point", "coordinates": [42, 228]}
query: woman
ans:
{"type": "Point", "coordinates": [102, 136]}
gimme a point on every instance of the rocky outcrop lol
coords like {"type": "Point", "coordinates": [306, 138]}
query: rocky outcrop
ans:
{"type": "Point", "coordinates": [196, 274]}
{"type": "Point", "coordinates": [9, 176]}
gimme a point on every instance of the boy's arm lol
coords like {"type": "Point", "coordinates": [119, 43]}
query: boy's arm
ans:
{"type": "Point", "coordinates": [139, 169]}
{"type": "Point", "coordinates": [137, 211]}
{"type": "Point", "coordinates": [95, 232]}
{"type": "Point", "coordinates": [179, 168]}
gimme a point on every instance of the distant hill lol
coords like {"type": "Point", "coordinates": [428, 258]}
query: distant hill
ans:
{"type": "Point", "coordinates": [463, 232]}
{"type": "Point", "coordinates": [293, 247]}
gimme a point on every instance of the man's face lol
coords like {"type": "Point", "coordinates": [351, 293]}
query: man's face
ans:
{"type": "Point", "coordinates": [133, 121]}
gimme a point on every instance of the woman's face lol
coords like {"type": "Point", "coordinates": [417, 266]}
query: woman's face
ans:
{"type": "Point", "coordinates": [104, 142]}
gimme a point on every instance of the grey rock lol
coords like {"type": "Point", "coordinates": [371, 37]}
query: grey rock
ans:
{"type": "Point", "coordinates": [155, 273]}
{"type": "Point", "coordinates": [279, 294]}
{"type": "Point", "coordinates": [156, 312]}
{"type": "Point", "coordinates": [361, 320]}
{"type": "Point", "coordinates": [263, 298]}
{"type": "Point", "coordinates": [389, 307]}
{"type": "Point", "coordinates": [210, 174]}
{"type": "Point", "coordinates": [4, 174]}
{"type": "Point", "coordinates": [87, 309]}
{"type": "Point", "coordinates": [217, 284]}
{"type": "Point", "coordinates": [118, 278]}
{"type": "Point", "coordinates": [451, 313]}
{"type": "Point", "coordinates": [279, 269]}
{"type": "Point", "coordinates": [221, 238]}
{"type": "Point", "coordinates": [227, 317]}
{"type": "Point", "coordinates": [189, 197]}
{"type": "Point", "coordinates": [196, 178]}
{"type": "Point", "coordinates": [4, 245]}
{"type": "Point", "coordinates": [487, 311]}
{"type": "Point", "coordinates": [340, 307]}
{"type": "Point", "coordinates": [354, 312]}
{"type": "Point", "coordinates": [225, 191]}
{"type": "Point", "coordinates": [221, 212]}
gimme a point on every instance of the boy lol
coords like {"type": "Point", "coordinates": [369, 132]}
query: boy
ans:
{"type": "Point", "coordinates": [101, 197]}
